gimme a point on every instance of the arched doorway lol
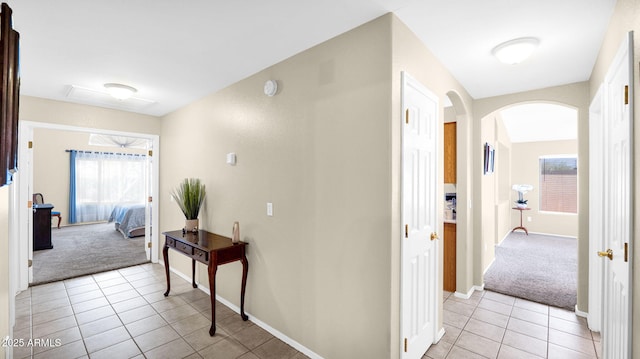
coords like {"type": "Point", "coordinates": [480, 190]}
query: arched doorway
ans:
{"type": "Point", "coordinates": [456, 111]}
{"type": "Point", "coordinates": [523, 136]}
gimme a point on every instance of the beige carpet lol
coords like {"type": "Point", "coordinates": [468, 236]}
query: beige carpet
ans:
{"type": "Point", "coordinates": [536, 267]}
{"type": "Point", "coordinates": [86, 249]}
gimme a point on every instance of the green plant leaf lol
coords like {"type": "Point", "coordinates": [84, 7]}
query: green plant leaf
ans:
{"type": "Point", "coordinates": [189, 195]}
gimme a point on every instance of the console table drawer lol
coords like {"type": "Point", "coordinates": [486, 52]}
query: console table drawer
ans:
{"type": "Point", "coordinates": [170, 242]}
{"type": "Point", "coordinates": [184, 248]}
{"type": "Point", "coordinates": [200, 255]}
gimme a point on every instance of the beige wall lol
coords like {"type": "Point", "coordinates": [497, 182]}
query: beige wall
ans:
{"type": "Point", "coordinates": [320, 152]}
{"type": "Point", "coordinates": [51, 164]}
{"type": "Point", "coordinates": [70, 114]}
{"type": "Point", "coordinates": [495, 207]}
{"type": "Point", "coordinates": [526, 171]}
{"type": "Point", "coordinates": [574, 95]}
{"type": "Point", "coordinates": [626, 17]}
{"type": "Point", "coordinates": [4, 266]}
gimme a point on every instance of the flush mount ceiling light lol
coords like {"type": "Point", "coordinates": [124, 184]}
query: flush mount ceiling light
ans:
{"type": "Point", "coordinates": [120, 91]}
{"type": "Point", "coordinates": [515, 51]}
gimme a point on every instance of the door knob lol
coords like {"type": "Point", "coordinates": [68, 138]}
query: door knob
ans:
{"type": "Point", "coordinates": [608, 254]}
{"type": "Point", "coordinates": [434, 236]}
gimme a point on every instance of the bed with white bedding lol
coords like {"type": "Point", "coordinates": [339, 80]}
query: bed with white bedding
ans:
{"type": "Point", "coordinates": [129, 219]}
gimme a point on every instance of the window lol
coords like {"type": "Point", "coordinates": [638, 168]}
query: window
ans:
{"type": "Point", "coordinates": [559, 184]}
{"type": "Point", "coordinates": [101, 180]}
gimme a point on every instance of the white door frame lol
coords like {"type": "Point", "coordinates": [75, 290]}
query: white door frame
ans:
{"type": "Point", "coordinates": [596, 205]}
{"type": "Point", "coordinates": [20, 199]}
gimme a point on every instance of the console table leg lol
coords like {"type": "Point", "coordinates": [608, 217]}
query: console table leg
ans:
{"type": "Point", "coordinates": [193, 273]}
{"type": "Point", "coordinates": [212, 269]}
{"type": "Point", "coordinates": [165, 255]}
{"type": "Point", "coordinates": [245, 270]}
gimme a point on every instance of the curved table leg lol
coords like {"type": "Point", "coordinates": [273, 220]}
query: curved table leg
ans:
{"type": "Point", "coordinates": [212, 269]}
{"type": "Point", "coordinates": [165, 255]}
{"type": "Point", "coordinates": [193, 273]}
{"type": "Point", "coordinates": [245, 270]}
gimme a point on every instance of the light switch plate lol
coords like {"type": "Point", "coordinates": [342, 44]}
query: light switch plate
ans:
{"type": "Point", "coordinates": [231, 159]}
{"type": "Point", "coordinates": [269, 209]}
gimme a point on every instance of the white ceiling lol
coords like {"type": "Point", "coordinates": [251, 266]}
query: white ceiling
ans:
{"type": "Point", "coordinates": [534, 122]}
{"type": "Point", "coordinates": [177, 52]}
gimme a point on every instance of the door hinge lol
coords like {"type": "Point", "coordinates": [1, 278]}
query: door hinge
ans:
{"type": "Point", "coordinates": [626, 94]}
{"type": "Point", "coordinates": [29, 204]}
{"type": "Point", "coordinates": [626, 252]}
{"type": "Point", "coordinates": [30, 145]}
{"type": "Point", "coordinates": [405, 345]}
{"type": "Point", "coordinates": [150, 199]}
{"type": "Point", "coordinates": [30, 263]}
{"type": "Point", "coordinates": [148, 244]}
{"type": "Point", "coordinates": [406, 116]}
{"type": "Point", "coordinates": [406, 231]}
{"type": "Point", "coordinates": [150, 153]}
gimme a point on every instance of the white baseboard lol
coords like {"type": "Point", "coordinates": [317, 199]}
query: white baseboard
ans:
{"type": "Point", "coordinates": [580, 313]}
{"type": "Point", "coordinates": [439, 336]}
{"type": "Point", "coordinates": [553, 235]}
{"type": "Point", "coordinates": [276, 333]}
{"type": "Point", "coordinates": [479, 288]}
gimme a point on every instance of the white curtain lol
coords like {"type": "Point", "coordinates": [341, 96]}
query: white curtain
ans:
{"type": "Point", "coordinates": [104, 180]}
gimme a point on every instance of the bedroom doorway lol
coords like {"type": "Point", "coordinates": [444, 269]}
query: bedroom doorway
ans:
{"type": "Point", "coordinates": [26, 187]}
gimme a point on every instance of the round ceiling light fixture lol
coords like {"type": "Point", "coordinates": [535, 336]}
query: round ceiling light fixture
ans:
{"type": "Point", "coordinates": [515, 51]}
{"type": "Point", "coordinates": [120, 91]}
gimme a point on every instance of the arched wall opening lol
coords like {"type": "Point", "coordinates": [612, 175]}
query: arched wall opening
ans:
{"type": "Point", "coordinates": [464, 222]}
{"type": "Point", "coordinates": [574, 96]}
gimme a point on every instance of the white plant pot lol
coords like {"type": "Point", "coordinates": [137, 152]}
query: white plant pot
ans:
{"type": "Point", "coordinates": [191, 225]}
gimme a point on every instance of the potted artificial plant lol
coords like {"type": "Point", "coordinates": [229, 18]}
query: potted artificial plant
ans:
{"type": "Point", "coordinates": [190, 195]}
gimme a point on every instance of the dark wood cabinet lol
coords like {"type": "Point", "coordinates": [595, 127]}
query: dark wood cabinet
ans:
{"type": "Point", "coordinates": [42, 226]}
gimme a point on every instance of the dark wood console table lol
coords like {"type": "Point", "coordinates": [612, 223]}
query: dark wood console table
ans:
{"type": "Point", "coordinates": [521, 226]}
{"type": "Point", "coordinates": [42, 226]}
{"type": "Point", "coordinates": [212, 250]}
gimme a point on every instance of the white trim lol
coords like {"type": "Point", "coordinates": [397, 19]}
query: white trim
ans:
{"type": "Point", "coordinates": [580, 313]}
{"type": "Point", "coordinates": [276, 333]}
{"type": "Point", "coordinates": [554, 235]}
{"type": "Point", "coordinates": [596, 204]}
{"type": "Point", "coordinates": [479, 288]}
{"type": "Point", "coordinates": [439, 335]}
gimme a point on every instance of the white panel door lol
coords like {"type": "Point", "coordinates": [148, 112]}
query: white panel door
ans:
{"type": "Point", "coordinates": [419, 197]}
{"type": "Point", "coordinates": [617, 200]}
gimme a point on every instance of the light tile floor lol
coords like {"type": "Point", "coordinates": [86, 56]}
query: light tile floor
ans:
{"type": "Point", "coordinates": [124, 314]}
{"type": "Point", "coordinates": [493, 325]}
